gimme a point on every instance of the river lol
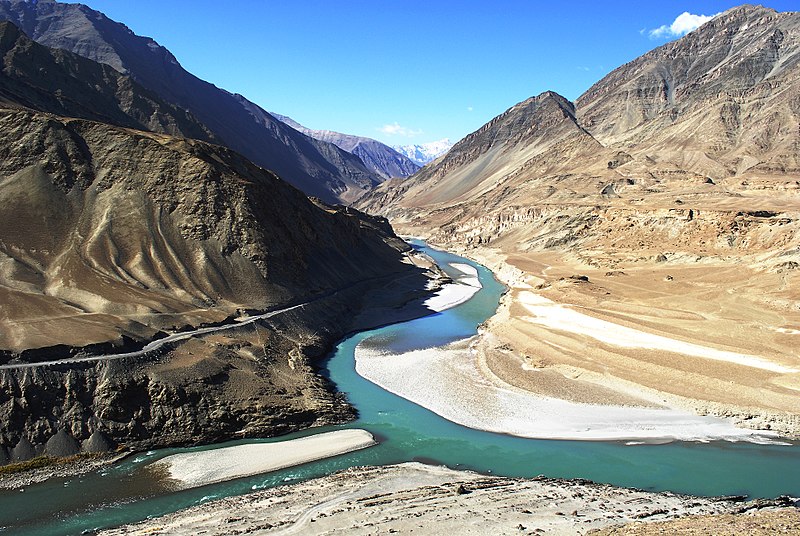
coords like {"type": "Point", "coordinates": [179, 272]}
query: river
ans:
{"type": "Point", "coordinates": [128, 492]}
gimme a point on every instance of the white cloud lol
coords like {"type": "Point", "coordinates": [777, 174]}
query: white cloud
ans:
{"type": "Point", "coordinates": [395, 129]}
{"type": "Point", "coordinates": [683, 24]}
{"type": "Point", "coordinates": [470, 108]}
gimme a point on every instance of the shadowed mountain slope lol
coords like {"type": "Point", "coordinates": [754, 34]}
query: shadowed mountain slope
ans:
{"type": "Point", "coordinates": [115, 230]}
{"type": "Point", "coordinates": [62, 83]}
{"type": "Point", "coordinates": [379, 157]}
{"type": "Point", "coordinates": [315, 167]}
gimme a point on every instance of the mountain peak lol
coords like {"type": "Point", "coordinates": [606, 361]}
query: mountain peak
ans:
{"type": "Point", "coordinates": [729, 55]}
{"type": "Point", "coordinates": [380, 158]}
{"type": "Point", "coordinates": [425, 152]}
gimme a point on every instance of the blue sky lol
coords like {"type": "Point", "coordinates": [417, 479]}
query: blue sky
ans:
{"type": "Point", "coordinates": [404, 72]}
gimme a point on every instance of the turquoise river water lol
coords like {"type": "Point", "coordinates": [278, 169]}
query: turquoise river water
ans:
{"type": "Point", "coordinates": [128, 492]}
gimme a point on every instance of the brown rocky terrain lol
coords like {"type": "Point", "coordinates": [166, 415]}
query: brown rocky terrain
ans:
{"type": "Point", "coordinates": [111, 236]}
{"type": "Point", "coordinates": [671, 191]}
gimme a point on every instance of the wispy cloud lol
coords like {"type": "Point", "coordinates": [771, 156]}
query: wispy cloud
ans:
{"type": "Point", "coordinates": [396, 129]}
{"type": "Point", "coordinates": [470, 108]}
{"type": "Point", "coordinates": [683, 24]}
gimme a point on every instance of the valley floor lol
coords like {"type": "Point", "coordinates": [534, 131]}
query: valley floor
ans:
{"type": "Point", "coordinates": [419, 499]}
{"type": "Point", "coordinates": [707, 337]}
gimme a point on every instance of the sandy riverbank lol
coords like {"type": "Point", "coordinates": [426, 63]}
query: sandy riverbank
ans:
{"type": "Point", "coordinates": [193, 469]}
{"type": "Point", "coordinates": [412, 498]}
{"type": "Point", "coordinates": [699, 338]}
{"type": "Point", "coordinates": [463, 287]}
{"type": "Point", "coordinates": [451, 382]}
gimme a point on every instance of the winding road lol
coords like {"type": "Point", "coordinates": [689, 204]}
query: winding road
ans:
{"type": "Point", "coordinates": [155, 345]}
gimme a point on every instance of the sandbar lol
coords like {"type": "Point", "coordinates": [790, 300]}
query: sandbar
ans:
{"type": "Point", "coordinates": [193, 469]}
{"type": "Point", "coordinates": [449, 381]}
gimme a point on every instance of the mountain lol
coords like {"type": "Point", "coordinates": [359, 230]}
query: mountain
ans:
{"type": "Point", "coordinates": [474, 167]}
{"type": "Point", "coordinates": [378, 157]}
{"type": "Point", "coordinates": [713, 114]}
{"type": "Point", "coordinates": [665, 199]}
{"type": "Point", "coordinates": [45, 79]}
{"type": "Point", "coordinates": [427, 152]}
{"type": "Point", "coordinates": [317, 168]}
{"type": "Point", "coordinates": [114, 233]}
{"type": "Point", "coordinates": [727, 90]}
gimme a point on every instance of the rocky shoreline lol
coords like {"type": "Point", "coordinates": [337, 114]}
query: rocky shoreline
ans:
{"type": "Point", "coordinates": [420, 499]}
{"type": "Point", "coordinates": [59, 468]}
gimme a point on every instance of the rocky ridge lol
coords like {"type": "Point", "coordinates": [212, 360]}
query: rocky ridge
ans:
{"type": "Point", "coordinates": [62, 83]}
{"type": "Point", "coordinates": [379, 157]}
{"type": "Point", "coordinates": [315, 167]}
{"type": "Point", "coordinates": [413, 498]}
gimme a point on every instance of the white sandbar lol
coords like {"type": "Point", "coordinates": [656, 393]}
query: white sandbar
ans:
{"type": "Point", "coordinates": [447, 381]}
{"type": "Point", "coordinates": [556, 316]}
{"type": "Point", "coordinates": [192, 469]}
{"type": "Point", "coordinates": [470, 276]}
{"type": "Point", "coordinates": [452, 294]}
{"type": "Point", "coordinates": [449, 296]}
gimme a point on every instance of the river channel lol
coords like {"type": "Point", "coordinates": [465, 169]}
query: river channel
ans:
{"type": "Point", "coordinates": [128, 492]}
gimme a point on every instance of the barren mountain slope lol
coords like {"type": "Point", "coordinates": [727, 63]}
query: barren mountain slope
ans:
{"type": "Point", "coordinates": [109, 235]}
{"type": "Point", "coordinates": [63, 83]}
{"type": "Point", "coordinates": [673, 192]}
{"type": "Point", "coordinates": [381, 158]}
{"type": "Point", "coordinates": [318, 168]}
{"type": "Point", "coordinates": [533, 138]}
{"type": "Point", "coordinates": [136, 228]}
{"type": "Point", "coordinates": [736, 71]}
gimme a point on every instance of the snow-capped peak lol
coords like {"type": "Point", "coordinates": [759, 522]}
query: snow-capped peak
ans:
{"type": "Point", "coordinates": [426, 152]}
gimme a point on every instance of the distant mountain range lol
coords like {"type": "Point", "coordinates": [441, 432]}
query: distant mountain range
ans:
{"type": "Point", "coordinates": [426, 152]}
{"type": "Point", "coordinates": [380, 158]}
{"type": "Point", "coordinates": [316, 167]}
